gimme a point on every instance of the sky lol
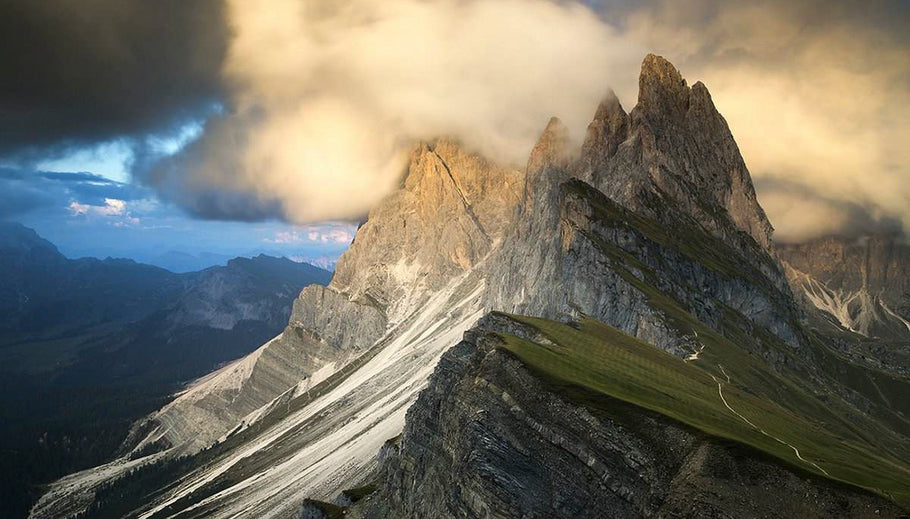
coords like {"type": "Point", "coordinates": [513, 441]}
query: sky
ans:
{"type": "Point", "coordinates": [232, 127]}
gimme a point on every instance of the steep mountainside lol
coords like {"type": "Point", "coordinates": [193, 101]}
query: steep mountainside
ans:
{"type": "Point", "coordinates": [531, 418]}
{"type": "Point", "coordinates": [87, 346]}
{"type": "Point", "coordinates": [863, 284]}
{"type": "Point", "coordinates": [667, 369]}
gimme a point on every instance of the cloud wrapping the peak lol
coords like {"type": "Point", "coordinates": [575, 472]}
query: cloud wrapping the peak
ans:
{"type": "Point", "coordinates": [327, 98]}
{"type": "Point", "coordinates": [817, 94]}
{"type": "Point", "coordinates": [322, 100]}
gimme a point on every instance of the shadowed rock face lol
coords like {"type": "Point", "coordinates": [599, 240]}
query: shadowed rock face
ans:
{"type": "Point", "coordinates": [672, 162]}
{"type": "Point", "coordinates": [487, 439]}
{"type": "Point", "coordinates": [674, 147]}
{"type": "Point", "coordinates": [861, 283]}
{"type": "Point", "coordinates": [654, 226]}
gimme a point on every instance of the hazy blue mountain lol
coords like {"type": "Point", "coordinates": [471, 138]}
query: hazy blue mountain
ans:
{"type": "Point", "coordinates": [179, 261]}
{"type": "Point", "coordinates": [87, 346]}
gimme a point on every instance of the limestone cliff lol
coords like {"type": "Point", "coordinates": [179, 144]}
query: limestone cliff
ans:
{"type": "Point", "coordinates": [861, 283]}
{"type": "Point", "coordinates": [653, 231]}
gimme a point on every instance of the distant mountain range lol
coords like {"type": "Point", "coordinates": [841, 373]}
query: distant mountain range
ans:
{"type": "Point", "coordinates": [607, 331]}
{"type": "Point", "coordinates": [87, 346]}
{"type": "Point", "coordinates": [861, 283]}
{"type": "Point", "coordinates": [179, 261]}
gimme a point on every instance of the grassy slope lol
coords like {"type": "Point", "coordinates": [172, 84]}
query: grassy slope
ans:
{"type": "Point", "coordinates": [603, 359]}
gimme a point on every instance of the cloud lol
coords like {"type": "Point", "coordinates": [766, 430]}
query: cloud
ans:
{"type": "Point", "coordinates": [285, 237]}
{"type": "Point", "coordinates": [321, 100]}
{"type": "Point", "coordinates": [114, 210]}
{"type": "Point", "coordinates": [808, 214]}
{"type": "Point", "coordinates": [81, 71]}
{"type": "Point", "coordinates": [22, 192]}
{"type": "Point", "coordinates": [339, 234]}
{"type": "Point", "coordinates": [326, 98]}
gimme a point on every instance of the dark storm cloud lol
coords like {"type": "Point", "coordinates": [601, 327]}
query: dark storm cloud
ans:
{"type": "Point", "coordinates": [213, 191]}
{"type": "Point", "coordinates": [76, 72]}
{"type": "Point", "coordinates": [225, 205]}
{"type": "Point", "coordinates": [24, 191]}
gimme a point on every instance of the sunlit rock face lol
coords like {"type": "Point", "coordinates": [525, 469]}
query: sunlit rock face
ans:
{"type": "Point", "coordinates": [651, 225]}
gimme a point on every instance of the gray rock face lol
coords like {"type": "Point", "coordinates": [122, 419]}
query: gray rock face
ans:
{"type": "Point", "coordinates": [864, 284]}
{"type": "Point", "coordinates": [487, 440]}
{"type": "Point", "coordinates": [673, 169]}
{"type": "Point", "coordinates": [674, 153]}
{"type": "Point", "coordinates": [347, 325]}
{"type": "Point", "coordinates": [653, 228]}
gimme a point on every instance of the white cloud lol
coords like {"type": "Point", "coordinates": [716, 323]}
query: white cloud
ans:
{"type": "Point", "coordinates": [328, 97]}
{"type": "Point", "coordinates": [325, 97]}
{"type": "Point", "coordinates": [321, 234]}
{"type": "Point", "coordinates": [113, 209]}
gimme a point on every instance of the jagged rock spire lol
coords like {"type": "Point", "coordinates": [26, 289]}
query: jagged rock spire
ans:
{"type": "Point", "coordinates": [674, 146]}
{"type": "Point", "coordinates": [661, 88]}
{"type": "Point", "coordinates": [607, 131]}
{"type": "Point", "coordinates": [552, 147]}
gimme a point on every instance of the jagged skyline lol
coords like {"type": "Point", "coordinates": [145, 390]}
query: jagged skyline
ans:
{"type": "Point", "coordinates": [304, 112]}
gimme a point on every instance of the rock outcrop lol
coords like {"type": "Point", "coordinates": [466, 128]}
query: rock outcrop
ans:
{"type": "Point", "coordinates": [488, 439]}
{"type": "Point", "coordinates": [653, 229]}
{"type": "Point", "coordinates": [864, 283]}
{"type": "Point", "coordinates": [673, 154]}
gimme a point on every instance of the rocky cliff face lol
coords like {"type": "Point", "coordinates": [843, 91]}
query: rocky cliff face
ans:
{"type": "Point", "coordinates": [488, 438]}
{"type": "Point", "coordinates": [861, 283]}
{"type": "Point", "coordinates": [404, 292]}
{"type": "Point", "coordinates": [666, 183]}
{"type": "Point", "coordinates": [654, 230]}
{"type": "Point", "coordinates": [674, 153]}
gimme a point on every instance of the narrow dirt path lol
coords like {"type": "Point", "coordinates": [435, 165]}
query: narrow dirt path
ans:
{"type": "Point", "coordinates": [720, 391]}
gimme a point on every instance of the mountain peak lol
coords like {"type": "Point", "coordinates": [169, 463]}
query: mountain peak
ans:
{"type": "Point", "coordinates": [548, 164]}
{"type": "Point", "coordinates": [14, 235]}
{"type": "Point", "coordinates": [673, 156]}
{"type": "Point", "coordinates": [661, 86]}
{"type": "Point", "coordinates": [552, 147]}
{"type": "Point", "coordinates": [608, 129]}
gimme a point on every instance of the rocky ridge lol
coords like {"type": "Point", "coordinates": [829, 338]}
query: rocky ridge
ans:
{"type": "Point", "coordinates": [488, 438]}
{"type": "Point", "coordinates": [654, 230]}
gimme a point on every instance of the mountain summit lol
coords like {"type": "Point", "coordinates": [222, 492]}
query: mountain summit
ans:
{"type": "Point", "coordinates": [599, 334]}
{"type": "Point", "coordinates": [676, 155]}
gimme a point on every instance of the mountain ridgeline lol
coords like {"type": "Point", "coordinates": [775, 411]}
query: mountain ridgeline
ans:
{"type": "Point", "coordinates": [88, 346]}
{"type": "Point", "coordinates": [863, 284]}
{"type": "Point", "coordinates": [605, 332]}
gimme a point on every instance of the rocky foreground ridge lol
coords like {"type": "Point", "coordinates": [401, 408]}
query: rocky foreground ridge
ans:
{"type": "Point", "coordinates": [653, 232]}
{"type": "Point", "coordinates": [490, 437]}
